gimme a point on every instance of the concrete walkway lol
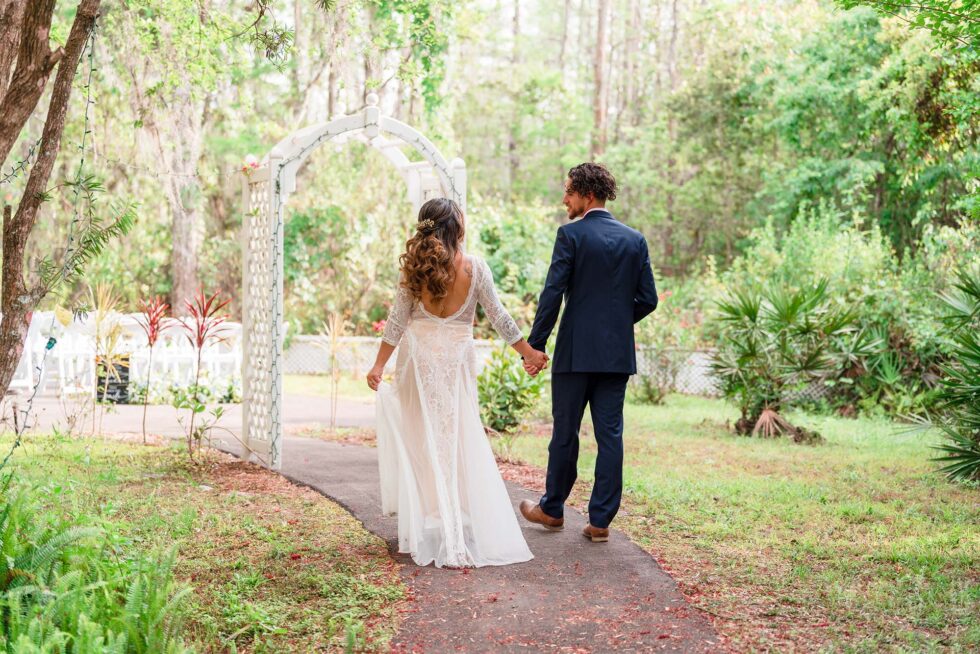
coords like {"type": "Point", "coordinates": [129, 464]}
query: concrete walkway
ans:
{"type": "Point", "coordinates": [575, 596]}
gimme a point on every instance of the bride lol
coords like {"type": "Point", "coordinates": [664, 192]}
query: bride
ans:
{"type": "Point", "coordinates": [437, 469]}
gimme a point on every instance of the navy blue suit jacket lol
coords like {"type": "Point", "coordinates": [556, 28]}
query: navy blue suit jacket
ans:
{"type": "Point", "coordinates": [601, 268]}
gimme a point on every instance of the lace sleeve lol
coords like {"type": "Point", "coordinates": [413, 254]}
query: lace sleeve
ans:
{"type": "Point", "coordinates": [487, 297]}
{"type": "Point", "coordinates": [399, 316]}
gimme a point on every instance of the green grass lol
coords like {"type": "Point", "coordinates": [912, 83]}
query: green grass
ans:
{"type": "Point", "coordinates": [354, 388]}
{"type": "Point", "coordinates": [853, 545]}
{"type": "Point", "coordinates": [273, 567]}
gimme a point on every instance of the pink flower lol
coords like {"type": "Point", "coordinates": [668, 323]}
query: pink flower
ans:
{"type": "Point", "coordinates": [378, 326]}
{"type": "Point", "coordinates": [250, 163]}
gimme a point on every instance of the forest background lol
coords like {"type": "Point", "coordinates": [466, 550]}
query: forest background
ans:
{"type": "Point", "coordinates": [754, 142]}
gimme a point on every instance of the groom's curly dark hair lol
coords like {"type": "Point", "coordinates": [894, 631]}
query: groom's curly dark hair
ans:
{"type": "Point", "coordinates": [594, 179]}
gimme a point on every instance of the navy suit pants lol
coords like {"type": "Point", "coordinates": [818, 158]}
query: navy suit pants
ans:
{"type": "Point", "coordinates": [604, 393]}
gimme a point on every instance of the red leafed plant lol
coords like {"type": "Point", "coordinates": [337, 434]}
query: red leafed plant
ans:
{"type": "Point", "coordinates": [154, 318]}
{"type": "Point", "coordinates": [204, 328]}
{"type": "Point", "coordinates": [154, 321]}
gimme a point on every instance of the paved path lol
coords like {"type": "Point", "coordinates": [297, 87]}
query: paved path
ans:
{"type": "Point", "coordinates": [575, 596]}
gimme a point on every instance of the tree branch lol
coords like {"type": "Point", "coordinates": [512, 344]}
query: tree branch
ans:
{"type": "Point", "coordinates": [19, 229]}
{"type": "Point", "coordinates": [929, 9]}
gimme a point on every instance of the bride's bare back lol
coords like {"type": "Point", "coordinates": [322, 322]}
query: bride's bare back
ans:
{"type": "Point", "coordinates": [458, 292]}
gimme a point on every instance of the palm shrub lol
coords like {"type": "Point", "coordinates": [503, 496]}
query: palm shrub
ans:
{"type": "Point", "coordinates": [773, 343]}
{"type": "Point", "coordinates": [959, 388]}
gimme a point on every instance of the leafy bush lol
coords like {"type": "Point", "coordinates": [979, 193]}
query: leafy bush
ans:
{"type": "Point", "coordinates": [69, 588]}
{"type": "Point", "coordinates": [895, 300]}
{"type": "Point", "coordinates": [516, 241]}
{"type": "Point", "coordinates": [665, 339]}
{"type": "Point", "coordinates": [775, 342]}
{"type": "Point", "coordinates": [507, 393]}
{"type": "Point", "coordinates": [959, 394]}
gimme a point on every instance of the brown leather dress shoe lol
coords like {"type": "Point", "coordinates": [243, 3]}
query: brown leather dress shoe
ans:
{"type": "Point", "coordinates": [532, 513]}
{"type": "Point", "coordinates": [596, 534]}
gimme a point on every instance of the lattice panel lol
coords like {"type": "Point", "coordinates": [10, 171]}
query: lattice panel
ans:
{"type": "Point", "coordinates": [259, 313]}
{"type": "Point", "coordinates": [431, 188]}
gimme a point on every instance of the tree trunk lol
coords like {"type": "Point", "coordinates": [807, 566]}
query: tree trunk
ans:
{"type": "Point", "coordinates": [566, 17]}
{"type": "Point", "coordinates": [631, 64]}
{"type": "Point", "coordinates": [11, 15]}
{"type": "Point", "coordinates": [16, 315]}
{"type": "Point", "coordinates": [515, 61]}
{"type": "Point", "coordinates": [179, 141]}
{"type": "Point", "coordinates": [601, 82]}
{"type": "Point", "coordinates": [34, 63]}
{"type": "Point", "coordinates": [672, 177]}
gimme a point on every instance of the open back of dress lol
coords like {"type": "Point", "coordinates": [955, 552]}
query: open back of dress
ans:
{"type": "Point", "coordinates": [438, 471]}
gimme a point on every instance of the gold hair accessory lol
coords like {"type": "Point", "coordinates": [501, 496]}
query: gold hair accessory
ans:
{"type": "Point", "coordinates": [427, 224]}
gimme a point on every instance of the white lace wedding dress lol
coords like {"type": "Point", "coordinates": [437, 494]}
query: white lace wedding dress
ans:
{"type": "Point", "coordinates": [437, 469]}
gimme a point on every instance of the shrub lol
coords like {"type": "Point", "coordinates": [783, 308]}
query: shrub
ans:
{"type": "Point", "coordinates": [959, 391]}
{"type": "Point", "coordinates": [774, 343]}
{"type": "Point", "coordinates": [665, 339]}
{"type": "Point", "coordinates": [507, 393]}
{"type": "Point", "coordinates": [516, 241]}
{"type": "Point", "coordinates": [896, 300]}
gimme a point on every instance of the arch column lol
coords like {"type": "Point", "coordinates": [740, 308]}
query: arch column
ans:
{"type": "Point", "coordinates": [264, 194]}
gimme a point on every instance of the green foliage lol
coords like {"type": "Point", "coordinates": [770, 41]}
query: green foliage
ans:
{"type": "Point", "coordinates": [953, 22]}
{"type": "Point", "coordinates": [775, 342]}
{"type": "Point", "coordinates": [507, 392]}
{"type": "Point", "coordinates": [859, 113]}
{"type": "Point", "coordinates": [861, 132]}
{"type": "Point", "coordinates": [429, 24]}
{"type": "Point", "coordinates": [343, 258]}
{"type": "Point", "coordinates": [959, 395]}
{"type": "Point", "coordinates": [89, 235]}
{"type": "Point", "coordinates": [894, 302]}
{"type": "Point", "coordinates": [516, 240]}
{"type": "Point", "coordinates": [666, 338]}
{"type": "Point", "coordinates": [67, 587]}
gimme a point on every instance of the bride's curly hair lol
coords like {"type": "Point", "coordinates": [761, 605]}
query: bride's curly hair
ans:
{"type": "Point", "coordinates": [427, 263]}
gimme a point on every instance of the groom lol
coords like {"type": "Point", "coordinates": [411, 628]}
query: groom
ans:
{"type": "Point", "coordinates": [602, 270]}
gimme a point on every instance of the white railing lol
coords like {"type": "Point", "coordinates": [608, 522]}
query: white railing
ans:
{"type": "Point", "coordinates": [70, 366]}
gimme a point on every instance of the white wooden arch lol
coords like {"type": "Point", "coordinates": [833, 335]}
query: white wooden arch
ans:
{"type": "Point", "coordinates": [265, 192]}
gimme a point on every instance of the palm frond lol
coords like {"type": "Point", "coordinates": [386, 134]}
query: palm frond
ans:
{"type": "Point", "coordinates": [962, 454]}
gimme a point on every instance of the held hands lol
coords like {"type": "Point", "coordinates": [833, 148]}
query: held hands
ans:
{"type": "Point", "coordinates": [374, 377]}
{"type": "Point", "coordinates": [535, 362]}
